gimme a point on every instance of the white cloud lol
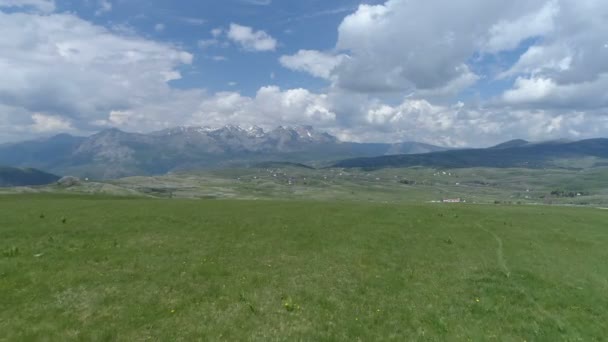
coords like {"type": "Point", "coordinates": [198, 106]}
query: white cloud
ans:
{"type": "Point", "coordinates": [409, 46]}
{"type": "Point", "coordinates": [61, 65]}
{"type": "Point", "coordinates": [316, 63]}
{"type": "Point", "coordinates": [168, 108]}
{"type": "Point", "coordinates": [428, 54]}
{"type": "Point", "coordinates": [46, 6]}
{"type": "Point", "coordinates": [462, 125]}
{"type": "Point", "coordinates": [392, 75]}
{"type": "Point", "coordinates": [216, 39]}
{"type": "Point", "coordinates": [466, 79]}
{"type": "Point", "coordinates": [46, 123]}
{"type": "Point", "coordinates": [541, 59]}
{"type": "Point", "coordinates": [270, 107]}
{"type": "Point", "coordinates": [251, 40]}
{"type": "Point", "coordinates": [568, 67]}
{"type": "Point", "coordinates": [105, 6]}
{"type": "Point", "coordinates": [544, 92]}
{"type": "Point", "coordinates": [530, 90]}
{"type": "Point", "coordinates": [118, 118]}
{"type": "Point", "coordinates": [507, 35]}
{"type": "Point", "coordinates": [365, 119]}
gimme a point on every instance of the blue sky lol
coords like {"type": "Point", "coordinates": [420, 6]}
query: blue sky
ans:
{"type": "Point", "coordinates": [294, 24]}
{"type": "Point", "coordinates": [465, 73]}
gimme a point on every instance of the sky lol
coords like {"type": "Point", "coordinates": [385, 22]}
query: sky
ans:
{"type": "Point", "coordinates": [454, 73]}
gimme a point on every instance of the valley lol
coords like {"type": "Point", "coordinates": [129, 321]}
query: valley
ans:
{"type": "Point", "coordinates": [282, 181]}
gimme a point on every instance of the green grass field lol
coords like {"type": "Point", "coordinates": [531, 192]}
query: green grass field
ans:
{"type": "Point", "coordinates": [186, 270]}
{"type": "Point", "coordinates": [587, 187]}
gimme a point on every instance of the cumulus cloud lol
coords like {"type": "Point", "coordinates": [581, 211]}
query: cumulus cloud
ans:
{"type": "Point", "coordinates": [437, 49]}
{"type": "Point", "coordinates": [46, 6]}
{"type": "Point", "coordinates": [507, 35]}
{"type": "Point", "coordinates": [62, 65]}
{"type": "Point", "coordinates": [251, 40]}
{"type": "Point", "coordinates": [423, 46]}
{"type": "Point", "coordinates": [393, 75]}
{"type": "Point", "coordinates": [216, 40]}
{"type": "Point", "coordinates": [544, 92]}
{"type": "Point", "coordinates": [271, 106]}
{"type": "Point", "coordinates": [316, 63]}
{"type": "Point", "coordinates": [47, 123]}
{"type": "Point", "coordinates": [368, 119]}
{"type": "Point", "coordinates": [390, 49]}
{"type": "Point", "coordinates": [530, 90]}
{"type": "Point", "coordinates": [429, 48]}
{"type": "Point", "coordinates": [404, 46]}
{"type": "Point", "coordinates": [569, 66]}
{"type": "Point", "coordinates": [462, 125]}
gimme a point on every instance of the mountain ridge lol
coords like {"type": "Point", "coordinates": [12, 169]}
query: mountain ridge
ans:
{"type": "Point", "coordinates": [10, 176]}
{"type": "Point", "coordinates": [113, 153]}
{"type": "Point", "coordinates": [515, 153]}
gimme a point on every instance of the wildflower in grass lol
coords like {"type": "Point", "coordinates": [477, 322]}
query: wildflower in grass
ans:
{"type": "Point", "coordinates": [172, 310]}
{"type": "Point", "coordinates": [290, 305]}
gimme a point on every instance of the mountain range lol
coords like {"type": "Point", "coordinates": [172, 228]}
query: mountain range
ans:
{"type": "Point", "coordinates": [514, 153]}
{"type": "Point", "coordinates": [113, 153]}
{"type": "Point", "coordinates": [10, 176]}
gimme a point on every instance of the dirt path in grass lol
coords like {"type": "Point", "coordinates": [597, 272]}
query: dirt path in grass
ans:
{"type": "Point", "coordinates": [499, 251]}
{"type": "Point", "coordinates": [503, 265]}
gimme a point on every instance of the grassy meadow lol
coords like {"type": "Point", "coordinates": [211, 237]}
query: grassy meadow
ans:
{"type": "Point", "coordinates": [561, 186]}
{"type": "Point", "coordinates": [90, 268]}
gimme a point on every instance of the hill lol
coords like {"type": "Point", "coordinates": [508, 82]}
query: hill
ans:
{"type": "Point", "coordinates": [510, 154]}
{"type": "Point", "coordinates": [10, 176]}
{"type": "Point", "coordinates": [512, 143]}
{"type": "Point", "coordinates": [273, 164]}
{"type": "Point", "coordinates": [41, 153]}
{"type": "Point", "coordinates": [113, 153]}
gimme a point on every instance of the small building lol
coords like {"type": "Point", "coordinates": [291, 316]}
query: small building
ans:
{"type": "Point", "coordinates": [452, 200]}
